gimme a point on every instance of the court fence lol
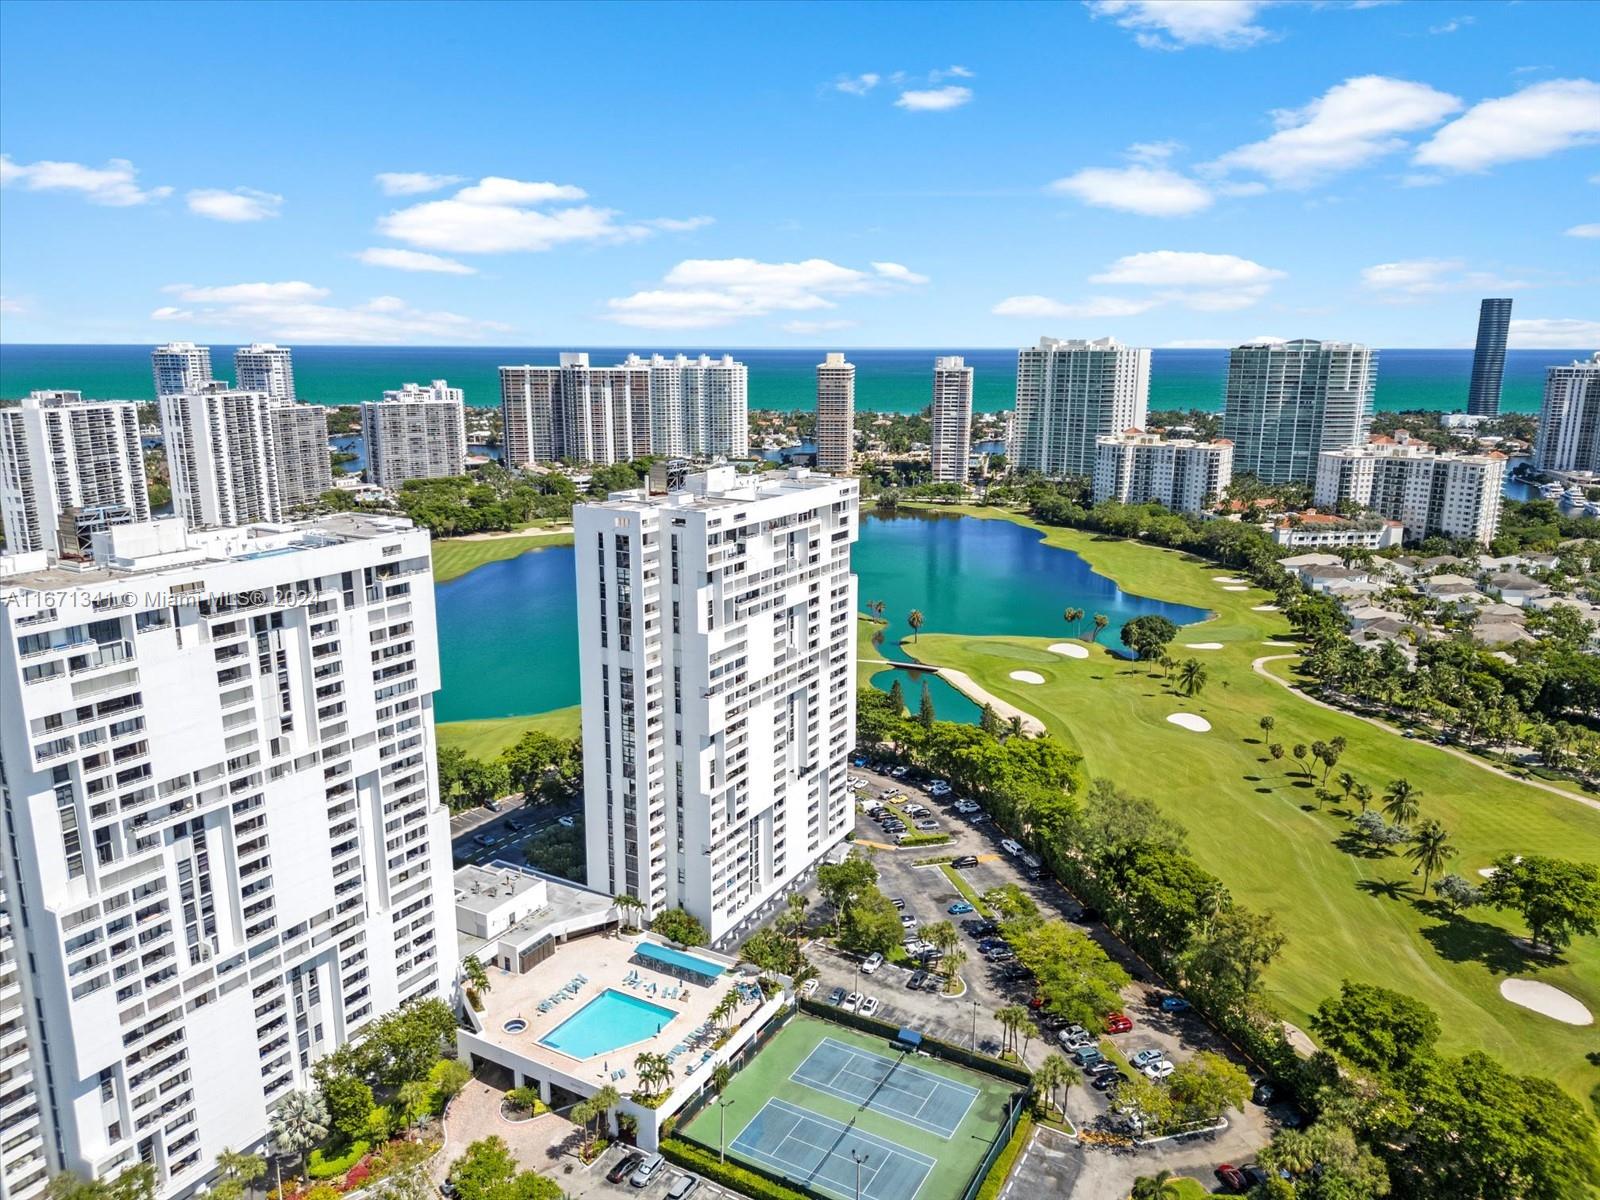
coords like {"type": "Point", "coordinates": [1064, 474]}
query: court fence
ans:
{"type": "Point", "coordinates": [1020, 1108]}
{"type": "Point", "coordinates": [744, 1179]}
{"type": "Point", "coordinates": [1010, 1072]}
{"type": "Point", "coordinates": [691, 1109]}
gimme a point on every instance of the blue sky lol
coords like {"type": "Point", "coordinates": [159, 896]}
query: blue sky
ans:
{"type": "Point", "coordinates": [749, 175]}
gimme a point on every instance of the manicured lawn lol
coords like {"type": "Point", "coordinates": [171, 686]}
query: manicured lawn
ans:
{"type": "Point", "coordinates": [485, 739]}
{"type": "Point", "coordinates": [1255, 823]}
{"type": "Point", "coordinates": [454, 557]}
{"type": "Point", "coordinates": [959, 882]}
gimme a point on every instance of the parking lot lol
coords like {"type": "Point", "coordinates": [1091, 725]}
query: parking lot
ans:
{"type": "Point", "coordinates": [593, 1182]}
{"type": "Point", "coordinates": [481, 835]}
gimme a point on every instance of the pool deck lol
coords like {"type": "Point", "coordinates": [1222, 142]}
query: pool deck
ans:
{"type": "Point", "coordinates": [605, 961]}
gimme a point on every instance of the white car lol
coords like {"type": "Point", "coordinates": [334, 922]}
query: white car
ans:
{"type": "Point", "coordinates": [853, 1001]}
{"type": "Point", "coordinates": [868, 1006]}
{"type": "Point", "coordinates": [808, 988]}
{"type": "Point", "coordinates": [1011, 846]}
{"type": "Point", "coordinates": [872, 963]}
{"type": "Point", "coordinates": [567, 822]}
{"type": "Point", "coordinates": [1159, 1069]}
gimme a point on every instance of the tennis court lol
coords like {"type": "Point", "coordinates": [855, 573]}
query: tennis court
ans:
{"type": "Point", "coordinates": [821, 1155]}
{"type": "Point", "coordinates": [888, 1085]}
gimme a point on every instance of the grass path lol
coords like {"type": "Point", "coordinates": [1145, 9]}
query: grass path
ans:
{"type": "Point", "coordinates": [454, 557]}
{"type": "Point", "coordinates": [485, 739]}
{"type": "Point", "coordinates": [1258, 827]}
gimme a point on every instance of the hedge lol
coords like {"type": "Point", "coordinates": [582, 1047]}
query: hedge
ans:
{"type": "Point", "coordinates": [319, 1167]}
{"type": "Point", "coordinates": [998, 1173]}
{"type": "Point", "coordinates": [924, 839]}
{"type": "Point", "coordinates": [1010, 1072]}
{"type": "Point", "coordinates": [746, 1181]}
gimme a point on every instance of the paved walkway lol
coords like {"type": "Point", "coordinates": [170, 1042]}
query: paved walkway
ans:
{"type": "Point", "coordinates": [540, 1143]}
{"type": "Point", "coordinates": [1259, 667]}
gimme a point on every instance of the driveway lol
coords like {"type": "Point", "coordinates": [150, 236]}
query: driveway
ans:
{"type": "Point", "coordinates": [505, 831]}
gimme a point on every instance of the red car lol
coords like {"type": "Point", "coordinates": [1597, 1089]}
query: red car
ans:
{"type": "Point", "coordinates": [1232, 1178]}
{"type": "Point", "coordinates": [1036, 1003]}
{"type": "Point", "coordinates": [1117, 1023]}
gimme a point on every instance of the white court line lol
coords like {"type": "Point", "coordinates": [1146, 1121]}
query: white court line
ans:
{"type": "Point", "coordinates": [818, 1173]}
{"type": "Point", "coordinates": [852, 1055]}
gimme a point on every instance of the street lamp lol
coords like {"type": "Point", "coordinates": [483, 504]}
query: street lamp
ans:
{"type": "Point", "coordinates": [722, 1108]}
{"type": "Point", "coordinates": [974, 1026]}
{"type": "Point", "coordinates": [859, 1159]}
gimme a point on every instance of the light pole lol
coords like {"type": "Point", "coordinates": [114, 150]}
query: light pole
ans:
{"type": "Point", "coordinates": [974, 1026]}
{"type": "Point", "coordinates": [859, 1159]}
{"type": "Point", "coordinates": [722, 1109]}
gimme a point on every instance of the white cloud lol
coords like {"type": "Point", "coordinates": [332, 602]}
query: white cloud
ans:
{"type": "Point", "coordinates": [1150, 191]}
{"type": "Point", "coordinates": [1541, 119]}
{"type": "Point", "coordinates": [1175, 24]}
{"type": "Point", "coordinates": [1585, 231]}
{"type": "Point", "coordinates": [1186, 268]}
{"type": "Point", "coordinates": [240, 204]}
{"type": "Point", "coordinates": [678, 224]}
{"type": "Point", "coordinates": [1348, 126]}
{"type": "Point", "coordinates": [413, 260]}
{"type": "Point", "coordinates": [858, 85]}
{"type": "Point", "coordinates": [292, 311]}
{"type": "Point", "coordinates": [114, 185]}
{"type": "Point", "coordinates": [1197, 281]}
{"type": "Point", "coordinates": [950, 72]}
{"type": "Point", "coordinates": [1553, 333]}
{"type": "Point", "coordinates": [1452, 25]}
{"type": "Point", "coordinates": [496, 189]}
{"type": "Point", "coordinates": [816, 326]}
{"type": "Point", "coordinates": [11, 306]}
{"type": "Point", "coordinates": [935, 99]}
{"type": "Point", "coordinates": [1413, 278]}
{"type": "Point", "coordinates": [412, 183]}
{"type": "Point", "coordinates": [1095, 306]}
{"type": "Point", "coordinates": [700, 293]}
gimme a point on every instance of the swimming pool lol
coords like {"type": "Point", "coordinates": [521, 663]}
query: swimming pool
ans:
{"type": "Point", "coordinates": [608, 1022]}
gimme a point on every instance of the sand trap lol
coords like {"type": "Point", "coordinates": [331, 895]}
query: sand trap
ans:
{"type": "Point", "coordinates": [1488, 872]}
{"type": "Point", "coordinates": [1225, 579]}
{"type": "Point", "coordinates": [1264, 608]}
{"type": "Point", "coordinates": [1027, 676]}
{"type": "Point", "coordinates": [1235, 587]}
{"type": "Point", "coordinates": [1547, 1001]}
{"type": "Point", "coordinates": [1191, 722]}
{"type": "Point", "coordinates": [1289, 644]}
{"type": "Point", "coordinates": [1070, 649]}
{"type": "Point", "coordinates": [1202, 645]}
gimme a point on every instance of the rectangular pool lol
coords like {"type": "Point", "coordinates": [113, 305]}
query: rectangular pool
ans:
{"type": "Point", "coordinates": [610, 1021]}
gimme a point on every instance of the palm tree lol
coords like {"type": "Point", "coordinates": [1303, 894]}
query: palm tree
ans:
{"type": "Point", "coordinates": [1362, 794]}
{"type": "Point", "coordinates": [914, 619]}
{"type": "Point", "coordinates": [942, 935]}
{"type": "Point", "coordinates": [629, 906]}
{"type": "Point", "coordinates": [1267, 724]}
{"type": "Point", "coordinates": [1430, 850]}
{"type": "Point", "coordinates": [1346, 781]}
{"type": "Point", "coordinates": [477, 977]}
{"type": "Point", "coordinates": [1072, 616]}
{"type": "Point", "coordinates": [875, 607]}
{"type": "Point", "coordinates": [1166, 660]}
{"type": "Point", "coordinates": [1163, 1185]}
{"type": "Point", "coordinates": [1401, 802]}
{"type": "Point", "coordinates": [601, 1103]}
{"type": "Point", "coordinates": [1012, 1018]}
{"type": "Point", "coordinates": [298, 1123]}
{"type": "Point", "coordinates": [1056, 1072]}
{"type": "Point", "coordinates": [1100, 622]}
{"type": "Point", "coordinates": [1014, 727]}
{"type": "Point", "coordinates": [1276, 750]}
{"type": "Point", "coordinates": [1299, 753]}
{"type": "Point", "coordinates": [950, 964]}
{"type": "Point", "coordinates": [1192, 677]}
{"type": "Point", "coordinates": [1319, 749]}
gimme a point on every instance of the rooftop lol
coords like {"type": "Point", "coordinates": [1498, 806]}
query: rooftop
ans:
{"type": "Point", "coordinates": [722, 486]}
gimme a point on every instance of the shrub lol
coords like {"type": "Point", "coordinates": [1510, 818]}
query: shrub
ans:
{"type": "Point", "coordinates": [526, 1099]}
{"type": "Point", "coordinates": [358, 1175]}
{"type": "Point", "coordinates": [736, 1176]}
{"type": "Point", "coordinates": [924, 839]}
{"type": "Point", "coordinates": [998, 1173]}
{"type": "Point", "coordinates": [321, 1167]}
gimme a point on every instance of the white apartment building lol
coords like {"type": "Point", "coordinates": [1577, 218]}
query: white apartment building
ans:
{"type": "Point", "coordinates": [1069, 395]}
{"type": "Point", "coordinates": [415, 433]}
{"type": "Point", "coordinates": [575, 411]}
{"type": "Point", "coordinates": [264, 367]}
{"type": "Point", "coordinates": [223, 851]}
{"type": "Point", "coordinates": [237, 457]}
{"type": "Point", "coordinates": [1287, 402]}
{"type": "Point", "coordinates": [835, 433]}
{"type": "Point", "coordinates": [1456, 495]}
{"type": "Point", "coordinates": [1569, 418]}
{"type": "Point", "coordinates": [180, 367]}
{"type": "Point", "coordinates": [716, 626]}
{"type": "Point", "coordinates": [950, 436]}
{"type": "Point", "coordinates": [67, 468]}
{"type": "Point", "coordinates": [1184, 475]}
{"type": "Point", "coordinates": [1326, 531]}
{"type": "Point", "coordinates": [699, 407]}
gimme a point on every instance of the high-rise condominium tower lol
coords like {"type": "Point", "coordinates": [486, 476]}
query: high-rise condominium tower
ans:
{"type": "Point", "coordinates": [1136, 467]}
{"type": "Point", "coordinates": [237, 457]}
{"type": "Point", "coordinates": [68, 468]}
{"type": "Point", "coordinates": [1069, 395]}
{"type": "Point", "coordinates": [1454, 495]}
{"type": "Point", "coordinates": [224, 851]}
{"type": "Point", "coordinates": [836, 415]}
{"type": "Point", "coordinates": [715, 636]}
{"type": "Point", "coordinates": [415, 433]}
{"type": "Point", "coordinates": [1489, 358]}
{"type": "Point", "coordinates": [683, 407]}
{"type": "Point", "coordinates": [265, 368]}
{"type": "Point", "coordinates": [180, 367]}
{"type": "Point", "coordinates": [1569, 419]}
{"type": "Point", "coordinates": [950, 421]}
{"type": "Point", "coordinates": [1287, 402]}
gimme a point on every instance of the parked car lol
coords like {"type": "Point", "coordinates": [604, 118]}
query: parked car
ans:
{"type": "Point", "coordinates": [836, 996]}
{"type": "Point", "coordinates": [928, 825]}
{"type": "Point", "coordinates": [1087, 1056]}
{"type": "Point", "coordinates": [1118, 1023]}
{"type": "Point", "coordinates": [681, 1187]}
{"type": "Point", "coordinates": [915, 979]}
{"type": "Point", "coordinates": [1013, 973]}
{"type": "Point", "coordinates": [1157, 1070]}
{"type": "Point", "coordinates": [1109, 1080]}
{"type": "Point", "coordinates": [645, 1171]}
{"type": "Point", "coordinates": [567, 822]}
{"type": "Point", "coordinates": [1144, 1058]}
{"type": "Point", "coordinates": [959, 908]}
{"type": "Point", "coordinates": [1231, 1178]}
{"type": "Point", "coordinates": [1254, 1174]}
{"type": "Point", "coordinates": [1071, 1040]}
{"type": "Point", "coordinates": [809, 988]}
{"type": "Point", "coordinates": [868, 1006]}
{"type": "Point", "coordinates": [1011, 846]}
{"type": "Point", "coordinates": [900, 772]}
{"type": "Point", "coordinates": [1085, 916]}
{"type": "Point", "coordinates": [492, 805]}
{"type": "Point", "coordinates": [979, 927]}
{"type": "Point", "coordinates": [931, 955]}
{"type": "Point", "coordinates": [1174, 1004]}
{"type": "Point", "coordinates": [898, 901]}
{"type": "Point", "coordinates": [626, 1166]}
{"type": "Point", "coordinates": [990, 943]}
{"type": "Point", "coordinates": [1103, 1067]}
{"type": "Point", "coordinates": [853, 1001]}
{"type": "Point", "coordinates": [965, 861]}
{"type": "Point", "coordinates": [909, 922]}
{"type": "Point", "coordinates": [967, 806]}
{"type": "Point", "coordinates": [1265, 1092]}
{"type": "Point", "coordinates": [872, 962]}
{"type": "Point", "coordinates": [916, 810]}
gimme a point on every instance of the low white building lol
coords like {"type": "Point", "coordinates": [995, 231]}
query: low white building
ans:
{"type": "Point", "coordinates": [1325, 529]}
{"type": "Point", "coordinates": [1184, 475]}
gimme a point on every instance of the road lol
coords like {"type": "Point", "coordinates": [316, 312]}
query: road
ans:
{"type": "Point", "coordinates": [504, 832]}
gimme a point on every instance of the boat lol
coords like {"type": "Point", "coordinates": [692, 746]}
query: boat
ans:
{"type": "Point", "coordinates": [1550, 491]}
{"type": "Point", "coordinates": [1575, 495]}
{"type": "Point", "coordinates": [1592, 509]}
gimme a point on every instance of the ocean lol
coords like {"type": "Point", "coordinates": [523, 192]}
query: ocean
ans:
{"type": "Point", "coordinates": [781, 379]}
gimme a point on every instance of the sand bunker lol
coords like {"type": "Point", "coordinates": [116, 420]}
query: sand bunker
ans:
{"type": "Point", "coordinates": [1289, 644]}
{"type": "Point", "coordinates": [1202, 645]}
{"type": "Point", "coordinates": [1547, 1001]}
{"type": "Point", "coordinates": [1264, 608]}
{"type": "Point", "coordinates": [1027, 676]}
{"type": "Point", "coordinates": [1190, 721]}
{"type": "Point", "coordinates": [1235, 587]}
{"type": "Point", "coordinates": [1070, 649]}
{"type": "Point", "coordinates": [1225, 579]}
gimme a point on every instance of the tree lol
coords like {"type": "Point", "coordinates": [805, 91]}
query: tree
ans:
{"type": "Point", "coordinates": [1558, 899]}
{"type": "Point", "coordinates": [1326, 1162]}
{"type": "Point", "coordinates": [476, 976]}
{"type": "Point", "coordinates": [447, 1077]}
{"type": "Point", "coordinates": [1299, 753]}
{"type": "Point", "coordinates": [1053, 1073]}
{"type": "Point", "coordinates": [1163, 1185]}
{"type": "Point", "coordinates": [1458, 892]}
{"type": "Point", "coordinates": [1267, 724]}
{"type": "Point", "coordinates": [1100, 622]}
{"type": "Point", "coordinates": [538, 765]}
{"type": "Point", "coordinates": [1192, 677]}
{"type": "Point", "coordinates": [1401, 802]}
{"type": "Point", "coordinates": [871, 924]}
{"type": "Point", "coordinates": [1346, 782]}
{"type": "Point", "coordinates": [942, 936]}
{"type": "Point", "coordinates": [925, 713]}
{"type": "Point", "coordinates": [1430, 850]}
{"type": "Point", "coordinates": [1227, 962]}
{"type": "Point", "coordinates": [950, 964]}
{"type": "Point", "coordinates": [486, 1170]}
{"type": "Point", "coordinates": [235, 1173]}
{"type": "Point", "coordinates": [137, 1182]}
{"type": "Point", "coordinates": [629, 906]}
{"type": "Point", "coordinates": [1075, 977]}
{"type": "Point", "coordinates": [1072, 616]}
{"type": "Point", "coordinates": [676, 925]}
{"type": "Point", "coordinates": [1148, 636]}
{"type": "Point", "coordinates": [349, 1103]}
{"type": "Point", "coordinates": [914, 619]}
{"type": "Point", "coordinates": [1205, 1086]}
{"type": "Point", "coordinates": [1375, 1027]}
{"type": "Point", "coordinates": [841, 883]}
{"type": "Point", "coordinates": [1012, 1018]}
{"type": "Point", "coordinates": [1276, 751]}
{"type": "Point", "coordinates": [299, 1122]}
{"type": "Point", "coordinates": [1362, 794]}
{"type": "Point", "coordinates": [897, 696]}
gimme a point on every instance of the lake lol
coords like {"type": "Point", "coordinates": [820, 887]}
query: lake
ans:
{"type": "Point", "coordinates": [508, 630]}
